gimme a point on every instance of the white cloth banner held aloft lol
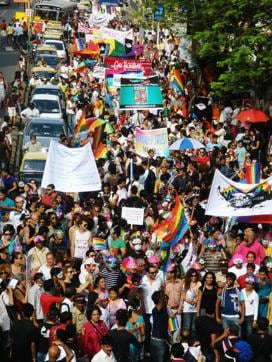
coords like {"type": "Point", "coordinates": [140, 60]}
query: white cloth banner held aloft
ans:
{"type": "Point", "coordinates": [71, 169]}
{"type": "Point", "coordinates": [229, 198]}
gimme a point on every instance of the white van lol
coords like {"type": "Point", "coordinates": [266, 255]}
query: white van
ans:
{"type": "Point", "coordinates": [48, 105]}
{"type": "Point", "coordinates": [59, 45]}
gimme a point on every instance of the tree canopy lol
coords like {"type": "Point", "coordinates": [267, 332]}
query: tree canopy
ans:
{"type": "Point", "coordinates": [235, 36]}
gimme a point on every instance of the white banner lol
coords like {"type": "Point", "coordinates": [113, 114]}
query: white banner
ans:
{"type": "Point", "coordinates": [133, 215]}
{"type": "Point", "coordinates": [229, 198]}
{"type": "Point", "coordinates": [71, 169]}
{"type": "Point", "coordinates": [116, 79]}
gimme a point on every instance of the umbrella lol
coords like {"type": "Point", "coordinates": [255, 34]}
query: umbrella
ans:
{"type": "Point", "coordinates": [186, 144]}
{"type": "Point", "coordinates": [252, 116]}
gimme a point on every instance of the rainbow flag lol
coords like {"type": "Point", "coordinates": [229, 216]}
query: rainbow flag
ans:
{"type": "Point", "coordinates": [97, 122]}
{"type": "Point", "coordinates": [174, 226]}
{"type": "Point", "coordinates": [171, 230]}
{"type": "Point", "coordinates": [173, 324]}
{"type": "Point", "coordinates": [176, 82]}
{"type": "Point", "coordinates": [81, 67]}
{"type": "Point", "coordinates": [98, 134]}
{"type": "Point", "coordinates": [253, 173]}
{"type": "Point", "coordinates": [79, 44]}
{"type": "Point", "coordinates": [99, 244]}
{"type": "Point", "coordinates": [101, 151]}
{"type": "Point", "coordinates": [81, 124]}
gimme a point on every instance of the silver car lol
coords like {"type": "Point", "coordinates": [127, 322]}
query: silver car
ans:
{"type": "Point", "coordinates": [45, 129]}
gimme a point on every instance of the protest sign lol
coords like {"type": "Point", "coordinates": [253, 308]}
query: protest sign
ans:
{"type": "Point", "coordinates": [129, 64]}
{"type": "Point", "coordinates": [113, 78]}
{"type": "Point", "coordinates": [142, 93]}
{"type": "Point", "coordinates": [229, 198]}
{"type": "Point", "coordinates": [71, 169]}
{"type": "Point", "coordinates": [133, 215]}
{"type": "Point", "coordinates": [155, 139]}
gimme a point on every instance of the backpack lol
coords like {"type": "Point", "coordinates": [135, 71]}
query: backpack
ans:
{"type": "Point", "coordinates": [66, 305]}
{"type": "Point", "coordinates": [245, 351]}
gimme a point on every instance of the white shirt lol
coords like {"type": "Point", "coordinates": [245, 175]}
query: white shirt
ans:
{"type": "Point", "coordinates": [46, 271]}
{"type": "Point", "coordinates": [148, 289]}
{"type": "Point", "coordinates": [251, 303]}
{"type": "Point", "coordinates": [238, 272]}
{"type": "Point", "coordinates": [101, 356]}
{"type": "Point", "coordinates": [66, 306]}
{"type": "Point", "coordinates": [34, 298]}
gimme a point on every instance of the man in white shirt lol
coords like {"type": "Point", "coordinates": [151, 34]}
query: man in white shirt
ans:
{"type": "Point", "coordinates": [34, 295]}
{"type": "Point", "coordinates": [238, 268]}
{"type": "Point", "coordinates": [105, 354]}
{"type": "Point", "coordinates": [45, 269]}
{"type": "Point", "coordinates": [151, 282]}
{"type": "Point", "coordinates": [251, 299]}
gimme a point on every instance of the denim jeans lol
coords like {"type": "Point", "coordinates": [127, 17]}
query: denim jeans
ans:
{"type": "Point", "coordinates": [189, 323]}
{"type": "Point", "coordinates": [159, 350]}
{"type": "Point", "coordinates": [247, 326]}
{"type": "Point", "coordinates": [41, 357]}
{"type": "Point", "coordinates": [228, 321]}
{"type": "Point", "coordinates": [147, 332]}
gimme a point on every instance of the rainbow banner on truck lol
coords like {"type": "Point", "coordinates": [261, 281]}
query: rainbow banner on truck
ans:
{"type": "Point", "coordinates": [155, 139]}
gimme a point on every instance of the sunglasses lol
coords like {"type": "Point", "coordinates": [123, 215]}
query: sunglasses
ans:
{"type": "Point", "coordinates": [3, 272]}
{"type": "Point", "coordinates": [153, 273]}
{"type": "Point", "coordinates": [85, 225]}
{"type": "Point", "coordinates": [194, 275]}
{"type": "Point", "coordinates": [7, 234]}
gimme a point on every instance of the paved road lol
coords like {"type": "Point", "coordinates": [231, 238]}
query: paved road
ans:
{"type": "Point", "coordinates": [9, 56]}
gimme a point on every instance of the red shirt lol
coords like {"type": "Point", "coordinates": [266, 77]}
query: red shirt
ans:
{"type": "Point", "coordinates": [47, 300]}
{"type": "Point", "coordinates": [242, 280]}
{"type": "Point", "coordinates": [47, 199]}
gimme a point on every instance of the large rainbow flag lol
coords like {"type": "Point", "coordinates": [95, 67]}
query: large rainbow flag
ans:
{"type": "Point", "coordinates": [81, 124]}
{"type": "Point", "coordinates": [176, 82]}
{"type": "Point", "coordinates": [253, 173]}
{"type": "Point", "coordinates": [171, 230]}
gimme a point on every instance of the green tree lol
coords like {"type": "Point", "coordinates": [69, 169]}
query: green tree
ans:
{"type": "Point", "coordinates": [236, 36]}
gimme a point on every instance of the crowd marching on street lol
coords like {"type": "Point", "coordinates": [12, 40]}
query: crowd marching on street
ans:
{"type": "Point", "coordinates": [77, 281]}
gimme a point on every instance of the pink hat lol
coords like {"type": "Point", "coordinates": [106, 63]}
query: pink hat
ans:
{"type": "Point", "coordinates": [237, 259]}
{"type": "Point", "coordinates": [129, 263]}
{"type": "Point", "coordinates": [171, 268]}
{"type": "Point", "coordinates": [38, 239]}
{"type": "Point", "coordinates": [154, 260]}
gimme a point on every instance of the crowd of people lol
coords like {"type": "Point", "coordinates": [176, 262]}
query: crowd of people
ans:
{"type": "Point", "coordinates": [80, 284]}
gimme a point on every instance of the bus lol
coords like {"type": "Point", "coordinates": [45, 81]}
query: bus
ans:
{"type": "Point", "coordinates": [56, 10]}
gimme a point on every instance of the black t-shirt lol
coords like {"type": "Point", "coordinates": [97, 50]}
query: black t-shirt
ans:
{"type": "Point", "coordinates": [121, 341]}
{"type": "Point", "coordinates": [205, 327]}
{"type": "Point", "coordinates": [44, 337]}
{"type": "Point", "coordinates": [208, 299]}
{"type": "Point", "coordinates": [23, 333]}
{"type": "Point", "coordinates": [160, 323]}
{"type": "Point", "coordinates": [261, 344]}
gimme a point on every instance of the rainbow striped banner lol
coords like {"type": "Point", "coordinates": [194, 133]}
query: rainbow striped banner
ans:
{"type": "Point", "coordinates": [79, 44]}
{"type": "Point", "coordinates": [99, 244]}
{"type": "Point", "coordinates": [173, 324]}
{"type": "Point", "coordinates": [253, 173]}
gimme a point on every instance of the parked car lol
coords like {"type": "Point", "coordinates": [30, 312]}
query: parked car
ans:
{"type": "Point", "coordinates": [44, 129]}
{"type": "Point", "coordinates": [32, 166]}
{"type": "Point", "coordinates": [49, 89]}
{"type": "Point", "coordinates": [49, 105]}
{"type": "Point", "coordinates": [59, 45]}
{"type": "Point", "coordinates": [44, 72]}
{"type": "Point", "coordinates": [46, 49]}
{"type": "Point", "coordinates": [50, 59]}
